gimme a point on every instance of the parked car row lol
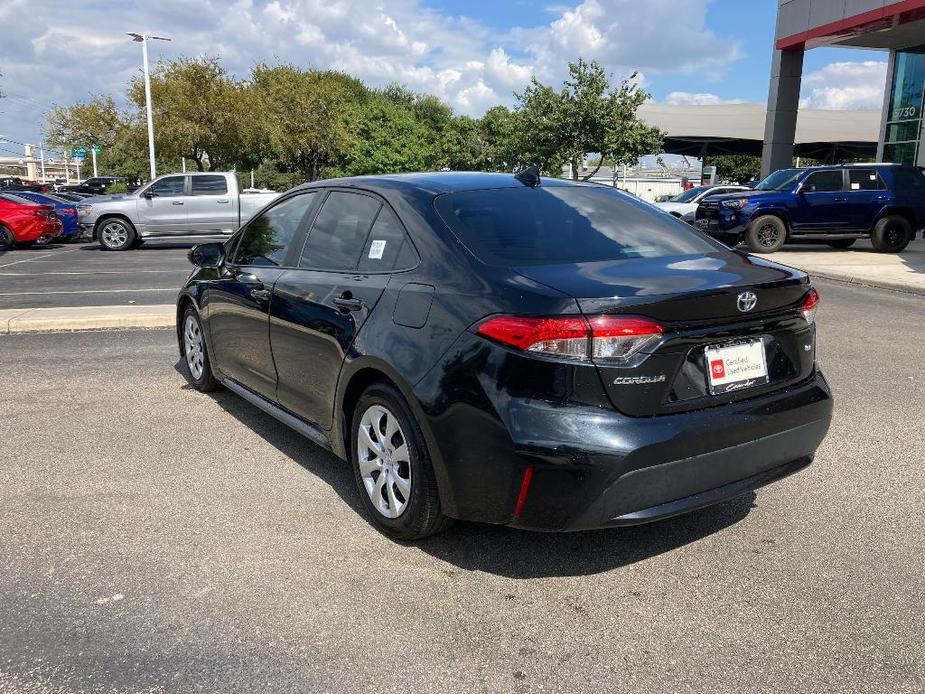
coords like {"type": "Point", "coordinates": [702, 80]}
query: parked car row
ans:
{"type": "Point", "coordinates": [836, 205]}
{"type": "Point", "coordinates": [25, 222]}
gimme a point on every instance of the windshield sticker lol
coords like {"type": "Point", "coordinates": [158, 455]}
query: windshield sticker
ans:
{"type": "Point", "coordinates": [376, 249]}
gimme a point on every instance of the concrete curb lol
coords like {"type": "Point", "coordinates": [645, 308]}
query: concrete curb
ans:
{"type": "Point", "coordinates": [30, 320]}
{"type": "Point", "coordinates": [865, 282]}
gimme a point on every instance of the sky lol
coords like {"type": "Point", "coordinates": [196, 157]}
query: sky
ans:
{"type": "Point", "coordinates": [473, 54]}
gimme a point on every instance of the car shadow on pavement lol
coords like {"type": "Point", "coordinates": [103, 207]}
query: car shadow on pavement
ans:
{"type": "Point", "coordinates": [496, 549]}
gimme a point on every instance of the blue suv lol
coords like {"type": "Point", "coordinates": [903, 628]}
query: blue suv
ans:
{"type": "Point", "coordinates": [830, 204]}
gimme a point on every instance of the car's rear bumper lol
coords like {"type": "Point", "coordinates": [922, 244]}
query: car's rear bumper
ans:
{"type": "Point", "coordinates": [593, 468]}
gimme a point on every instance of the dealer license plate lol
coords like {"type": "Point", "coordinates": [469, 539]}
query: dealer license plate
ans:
{"type": "Point", "coordinates": [735, 367]}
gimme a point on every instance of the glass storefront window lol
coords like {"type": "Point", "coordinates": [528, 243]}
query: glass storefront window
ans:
{"type": "Point", "coordinates": [907, 98]}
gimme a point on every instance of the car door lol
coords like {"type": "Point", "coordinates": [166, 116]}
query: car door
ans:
{"type": "Point", "coordinates": [354, 244]}
{"type": "Point", "coordinates": [209, 208]}
{"type": "Point", "coordinates": [820, 204]}
{"type": "Point", "coordinates": [237, 304]}
{"type": "Point", "coordinates": [162, 206]}
{"type": "Point", "coordinates": [866, 196]}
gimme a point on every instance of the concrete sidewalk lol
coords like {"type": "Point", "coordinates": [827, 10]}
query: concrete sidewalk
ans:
{"type": "Point", "coordinates": [861, 264]}
{"type": "Point", "coordinates": [25, 320]}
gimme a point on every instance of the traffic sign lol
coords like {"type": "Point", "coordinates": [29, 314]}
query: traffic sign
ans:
{"type": "Point", "coordinates": [96, 149]}
{"type": "Point", "coordinates": [79, 153]}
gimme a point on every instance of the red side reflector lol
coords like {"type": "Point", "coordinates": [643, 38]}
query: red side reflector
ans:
{"type": "Point", "coordinates": [524, 489]}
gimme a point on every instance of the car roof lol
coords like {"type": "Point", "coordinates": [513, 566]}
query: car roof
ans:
{"type": "Point", "coordinates": [438, 182]}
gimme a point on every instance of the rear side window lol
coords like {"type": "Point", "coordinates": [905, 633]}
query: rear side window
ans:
{"type": "Point", "coordinates": [168, 187]}
{"type": "Point", "coordinates": [909, 179]}
{"type": "Point", "coordinates": [511, 227]}
{"type": "Point", "coordinates": [864, 179]}
{"type": "Point", "coordinates": [339, 233]}
{"type": "Point", "coordinates": [18, 200]}
{"type": "Point", "coordinates": [387, 247]}
{"type": "Point", "coordinates": [209, 185]}
{"type": "Point", "coordinates": [825, 181]}
{"type": "Point", "coordinates": [266, 240]}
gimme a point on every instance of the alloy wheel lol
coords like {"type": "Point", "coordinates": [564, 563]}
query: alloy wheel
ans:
{"type": "Point", "coordinates": [114, 235]}
{"type": "Point", "coordinates": [384, 461]}
{"type": "Point", "coordinates": [767, 235]}
{"type": "Point", "coordinates": [192, 346]}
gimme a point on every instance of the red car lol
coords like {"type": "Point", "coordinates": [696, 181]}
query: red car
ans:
{"type": "Point", "coordinates": [25, 223]}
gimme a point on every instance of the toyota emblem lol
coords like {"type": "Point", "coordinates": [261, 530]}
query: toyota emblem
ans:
{"type": "Point", "coordinates": [746, 301]}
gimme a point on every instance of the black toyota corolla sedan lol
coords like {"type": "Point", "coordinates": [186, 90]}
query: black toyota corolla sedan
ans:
{"type": "Point", "coordinates": [513, 350]}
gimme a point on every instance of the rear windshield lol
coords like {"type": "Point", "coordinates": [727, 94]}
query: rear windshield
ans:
{"type": "Point", "coordinates": [511, 227]}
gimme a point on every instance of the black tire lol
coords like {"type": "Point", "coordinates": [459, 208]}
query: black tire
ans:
{"type": "Point", "coordinates": [6, 239]}
{"type": "Point", "coordinates": [24, 244]}
{"type": "Point", "coordinates": [891, 234]}
{"type": "Point", "coordinates": [205, 381]}
{"type": "Point", "coordinates": [421, 515]}
{"type": "Point", "coordinates": [841, 243]}
{"type": "Point", "coordinates": [116, 234]}
{"type": "Point", "coordinates": [766, 234]}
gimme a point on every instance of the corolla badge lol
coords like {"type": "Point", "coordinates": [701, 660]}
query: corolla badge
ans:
{"type": "Point", "coordinates": [746, 301]}
{"type": "Point", "coordinates": [638, 380]}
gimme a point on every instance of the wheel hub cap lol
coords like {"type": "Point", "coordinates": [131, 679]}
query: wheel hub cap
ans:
{"type": "Point", "coordinates": [385, 465]}
{"type": "Point", "coordinates": [192, 346]}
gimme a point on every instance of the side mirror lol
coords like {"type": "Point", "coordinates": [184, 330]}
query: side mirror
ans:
{"type": "Point", "coordinates": [806, 189]}
{"type": "Point", "coordinates": [207, 255]}
{"type": "Point", "coordinates": [150, 194]}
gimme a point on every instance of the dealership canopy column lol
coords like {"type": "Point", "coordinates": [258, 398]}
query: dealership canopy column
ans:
{"type": "Point", "coordinates": [894, 25]}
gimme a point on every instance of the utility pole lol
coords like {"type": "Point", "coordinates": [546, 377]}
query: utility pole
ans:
{"type": "Point", "coordinates": [143, 39]}
{"type": "Point", "coordinates": [77, 160]}
{"type": "Point", "coordinates": [93, 152]}
{"type": "Point", "coordinates": [42, 159]}
{"type": "Point", "coordinates": [67, 171]}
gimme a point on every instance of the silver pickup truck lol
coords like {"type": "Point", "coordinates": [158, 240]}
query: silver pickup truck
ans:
{"type": "Point", "coordinates": [187, 204]}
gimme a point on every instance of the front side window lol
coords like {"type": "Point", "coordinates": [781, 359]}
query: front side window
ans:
{"type": "Point", "coordinates": [864, 179]}
{"type": "Point", "coordinates": [339, 233]}
{"type": "Point", "coordinates": [266, 239]}
{"type": "Point", "coordinates": [824, 182]}
{"type": "Point", "coordinates": [171, 186]}
{"type": "Point", "coordinates": [510, 227]}
{"type": "Point", "coordinates": [209, 185]}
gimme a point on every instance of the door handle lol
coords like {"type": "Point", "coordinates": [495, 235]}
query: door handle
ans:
{"type": "Point", "coordinates": [177, 202]}
{"type": "Point", "coordinates": [347, 304]}
{"type": "Point", "coordinates": [222, 202]}
{"type": "Point", "coordinates": [260, 294]}
{"type": "Point", "coordinates": [840, 199]}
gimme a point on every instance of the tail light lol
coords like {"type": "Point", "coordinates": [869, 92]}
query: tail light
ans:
{"type": "Point", "coordinates": [69, 211]}
{"type": "Point", "coordinates": [602, 338]}
{"type": "Point", "coordinates": [809, 305]}
{"type": "Point", "coordinates": [46, 214]}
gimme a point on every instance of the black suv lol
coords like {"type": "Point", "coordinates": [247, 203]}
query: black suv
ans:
{"type": "Point", "coordinates": [536, 353]}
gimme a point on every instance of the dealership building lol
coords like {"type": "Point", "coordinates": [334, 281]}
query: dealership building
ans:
{"type": "Point", "coordinates": [897, 26]}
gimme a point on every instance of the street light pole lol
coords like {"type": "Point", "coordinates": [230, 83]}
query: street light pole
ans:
{"type": "Point", "coordinates": [143, 39]}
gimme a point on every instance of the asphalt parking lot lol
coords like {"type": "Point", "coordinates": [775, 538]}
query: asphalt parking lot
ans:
{"type": "Point", "coordinates": [158, 539]}
{"type": "Point", "coordinates": [85, 275]}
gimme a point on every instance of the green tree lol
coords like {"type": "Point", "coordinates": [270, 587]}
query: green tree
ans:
{"type": "Point", "coordinates": [586, 117]}
{"type": "Point", "coordinates": [199, 112]}
{"type": "Point", "coordinates": [389, 139]}
{"type": "Point", "coordinates": [499, 140]}
{"type": "Point", "coordinates": [307, 118]}
{"type": "Point", "coordinates": [740, 168]}
{"type": "Point", "coordinates": [463, 147]}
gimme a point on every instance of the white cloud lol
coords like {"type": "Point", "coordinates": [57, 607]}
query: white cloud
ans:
{"type": "Point", "coordinates": [845, 85]}
{"type": "Point", "coordinates": [55, 52]}
{"type": "Point", "coordinates": [697, 99]}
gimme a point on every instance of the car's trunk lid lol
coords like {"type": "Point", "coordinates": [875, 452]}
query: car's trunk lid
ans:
{"type": "Point", "coordinates": [698, 301]}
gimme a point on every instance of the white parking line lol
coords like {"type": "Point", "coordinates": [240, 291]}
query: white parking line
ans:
{"type": "Point", "coordinates": [91, 272]}
{"type": "Point", "coordinates": [36, 257]}
{"type": "Point", "coordinates": [91, 291]}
